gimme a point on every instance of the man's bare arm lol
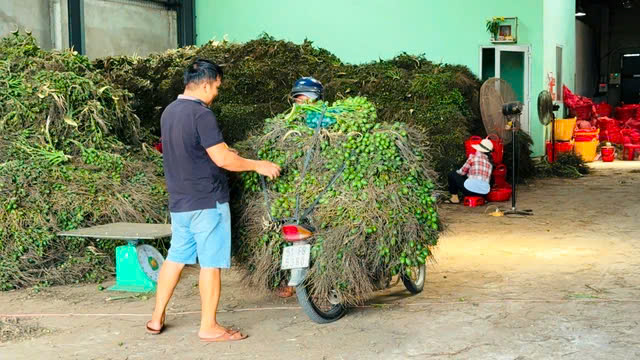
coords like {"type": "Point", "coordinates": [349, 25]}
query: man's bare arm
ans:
{"type": "Point", "coordinates": [228, 159]}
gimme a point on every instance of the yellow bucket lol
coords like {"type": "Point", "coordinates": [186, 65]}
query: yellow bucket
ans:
{"type": "Point", "coordinates": [564, 129]}
{"type": "Point", "coordinates": [587, 149]}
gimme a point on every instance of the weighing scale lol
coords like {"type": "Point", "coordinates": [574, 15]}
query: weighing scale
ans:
{"type": "Point", "coordinates": [137, 264]}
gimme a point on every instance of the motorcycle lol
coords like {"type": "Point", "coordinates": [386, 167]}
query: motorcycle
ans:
{"type": "Point", "coordinates": [296, 258]}
{"type": "Point", "coordinates": [321, 310]}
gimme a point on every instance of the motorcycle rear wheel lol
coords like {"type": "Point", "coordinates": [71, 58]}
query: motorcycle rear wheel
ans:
{"type": "Point", "coordinates": [321, 311]}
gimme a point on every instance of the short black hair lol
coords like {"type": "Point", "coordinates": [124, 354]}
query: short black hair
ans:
{"type": "Point", "coordinates": [200, 70]}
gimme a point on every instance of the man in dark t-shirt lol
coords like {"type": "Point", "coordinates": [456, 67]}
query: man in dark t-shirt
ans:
{"type": "Point", "coordinates": [195, 158]}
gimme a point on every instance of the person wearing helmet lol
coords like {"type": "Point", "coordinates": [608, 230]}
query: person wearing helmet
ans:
{"type": "Point", "coordinates": [473, 178]}
{"type": "Point", "coordinates": [307, 89]}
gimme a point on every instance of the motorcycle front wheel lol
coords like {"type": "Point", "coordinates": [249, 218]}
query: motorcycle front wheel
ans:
{"type": "Point", "coordinates": [321, 310]}
{"type": "Point", "coordinates": [415, 281]}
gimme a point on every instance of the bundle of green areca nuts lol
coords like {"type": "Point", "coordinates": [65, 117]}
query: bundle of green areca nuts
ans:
{"type": "Point", "coordinates": [379, 217]}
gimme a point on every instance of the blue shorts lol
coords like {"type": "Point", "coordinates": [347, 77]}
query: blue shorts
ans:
{"type": "Point", "coordinates": [202, 234]}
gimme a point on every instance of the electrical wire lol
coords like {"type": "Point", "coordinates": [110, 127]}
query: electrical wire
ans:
{"type": "Point", "coordinates": [284, 308]}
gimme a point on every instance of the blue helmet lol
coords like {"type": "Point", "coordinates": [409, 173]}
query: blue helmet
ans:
{"type": "Point", "coordinates": [309, 87]}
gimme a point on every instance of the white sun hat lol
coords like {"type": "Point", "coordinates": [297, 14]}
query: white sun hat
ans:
{"type": "Point", "coordinates": [485, 146]}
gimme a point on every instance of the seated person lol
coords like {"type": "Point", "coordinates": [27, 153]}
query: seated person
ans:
{"type": "Point", "coordinates": [473, 178]}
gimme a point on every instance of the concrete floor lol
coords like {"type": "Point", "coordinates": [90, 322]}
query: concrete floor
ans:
{"type": "Point", "coordinates": [562, 284]}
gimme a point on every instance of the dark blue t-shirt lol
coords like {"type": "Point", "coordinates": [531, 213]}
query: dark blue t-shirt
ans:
{"type": "Point", "coordinates": [194, 181]}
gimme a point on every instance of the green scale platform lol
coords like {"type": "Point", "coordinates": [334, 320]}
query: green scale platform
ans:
{"type": "Point", "coordinates": [137, 264]}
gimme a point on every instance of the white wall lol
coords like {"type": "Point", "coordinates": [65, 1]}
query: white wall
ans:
{"type": "Point", "coordinates": [112, 27]}
{"type": "Point", "coordinates": [586, 61]}
{"type": "Point", "coordinates": [31, 15]}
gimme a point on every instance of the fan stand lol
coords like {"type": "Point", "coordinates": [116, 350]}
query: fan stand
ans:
{"type": "Point", "coordinates": [514, 143]}
{"type": "Point", "coordinates": [553, 137]}
{"type": "Point", "coordinates": [553, 131]}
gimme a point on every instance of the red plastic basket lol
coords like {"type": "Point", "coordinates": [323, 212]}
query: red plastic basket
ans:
{"type": "Point", "coordinates": [582, 112]}
{"type": "Point", "coordinates": [587, 133]}
{"type": "Point", "coordinates": [626, 112]}
{"type": "Point", "coordinates": [498, 148]}
{"type": "Point", "coordinates": [561, 147]}
{"type": "Point", "coordinates": [606, 122]}
{"type": "Point", "coordinates": [499, 194]}
{"type": "Point", "coordinates": [500, 175]}
{"type": "Point", "coordinates": [613, 135]}
{"type": "Point", "coordinates": [604, 109]}
{"type": "Point", "coordinates": [474, 140]}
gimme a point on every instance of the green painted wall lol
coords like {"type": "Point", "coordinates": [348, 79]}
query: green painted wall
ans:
{"type": "Point", "coordinates": [363, 30]}
{"type": "Point", "coordinates": [560, 30]}
{"type": "Point", "coordinates": [360, 31]}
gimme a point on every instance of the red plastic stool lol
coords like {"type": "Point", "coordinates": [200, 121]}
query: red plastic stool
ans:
{"type": "Point", "coordinates": [473, 201]}
{"type": "Point", "coordinates": [630, 151]}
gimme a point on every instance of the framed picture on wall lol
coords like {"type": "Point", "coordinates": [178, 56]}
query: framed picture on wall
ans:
{"type": "Point", "coordinates": [507, 31]}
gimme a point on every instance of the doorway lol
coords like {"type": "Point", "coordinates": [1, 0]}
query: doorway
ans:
{"type": "Point", "coordinates": [510, 63]}
{"type": "Point", "coordinates": [631, 78]}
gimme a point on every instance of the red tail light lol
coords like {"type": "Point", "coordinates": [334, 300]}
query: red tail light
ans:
{"type": "Point", "coordinates": [293, 233]}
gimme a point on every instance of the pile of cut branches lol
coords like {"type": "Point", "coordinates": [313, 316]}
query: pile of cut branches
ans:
{"type": "Point", "coordinates": [70, 156]}
{"type": "Point", "coordinates": [566, 165]}
{"type": "Point", "coordinates": [439, 99]}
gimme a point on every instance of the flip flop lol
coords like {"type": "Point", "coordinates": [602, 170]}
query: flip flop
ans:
{"type": "Point", "coordinates": [225, 337]}
{"type": "Point", "coordinates": [284, 292]}
{"type": "Point", "coordinates": [153, 331]}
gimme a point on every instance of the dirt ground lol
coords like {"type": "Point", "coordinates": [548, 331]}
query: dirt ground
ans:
{"type": "Point", "coordinates": [562, 284]}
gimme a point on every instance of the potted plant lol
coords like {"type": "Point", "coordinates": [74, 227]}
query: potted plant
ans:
{"type": "Point", "coordinates": [493, 26]}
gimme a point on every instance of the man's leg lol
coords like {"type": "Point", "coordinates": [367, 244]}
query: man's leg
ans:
{"type": "Point", "coordinates": [167, 281]}
{"type": "Point", "coordinates": [210, 284]}
{"type": "Point", "coordinates": [182, 251]}
{"type": "Point", "coordinates": [212, 232]}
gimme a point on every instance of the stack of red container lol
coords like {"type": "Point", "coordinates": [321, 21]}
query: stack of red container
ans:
{"type": "Point", "coordinates": [625, 113]}
{"type": "Point", "coordinates": [498, 147]}
{"type": "Point", "coordinates": [610, 130]}
{"type": "Point", "coordinates": [581, 107]}
{"type": "Point", "coordinates": [604, 109]}
{"type": "Point", "coordinates": [631, 136]}
{"type": "Point", "coordinates": [561, 147]}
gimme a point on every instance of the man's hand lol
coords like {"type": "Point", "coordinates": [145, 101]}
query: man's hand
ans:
{"type": "Point", "coordinates": [268, 169]}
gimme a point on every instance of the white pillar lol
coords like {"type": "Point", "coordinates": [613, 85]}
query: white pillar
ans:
{"type": "Point", "coordinates": [55, 14]}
